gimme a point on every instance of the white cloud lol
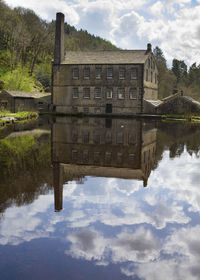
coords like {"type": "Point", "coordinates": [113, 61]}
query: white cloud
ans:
{"type": "Point", "coordinates": [157, 8]}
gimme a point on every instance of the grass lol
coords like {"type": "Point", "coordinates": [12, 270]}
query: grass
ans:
{"type": "Point", "coordinates": [182, 117]}
{"type": "Point", "coordinates": [19, 115]}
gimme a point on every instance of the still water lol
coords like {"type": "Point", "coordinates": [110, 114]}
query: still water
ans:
{"type": "Point", "coordinates": [98, 198]}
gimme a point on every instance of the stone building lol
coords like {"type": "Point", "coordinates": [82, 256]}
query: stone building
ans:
{"type": "Point", "coordinates": [101, 82]}
{"type": "Point", "coordinates": [120, 148]}
{"type": "Point", "coordinates": [16, 101]}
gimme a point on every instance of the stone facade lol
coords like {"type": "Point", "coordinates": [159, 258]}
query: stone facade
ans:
{"type": "Point", "coordinates": [16, 101]}
{"type": "Point", "coordinates": [102, 82]}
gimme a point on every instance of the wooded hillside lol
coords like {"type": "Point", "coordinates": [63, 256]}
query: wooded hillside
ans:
{"type": "Point", "coordinates": [27, 44]}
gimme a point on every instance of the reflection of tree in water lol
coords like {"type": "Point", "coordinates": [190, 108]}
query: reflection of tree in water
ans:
{"type": "Point", "coordinates": [176, 150]}
{"type": "Point", "coordinates": [177, 136]}
{"type": "Point", "coordinates": [25, 169]}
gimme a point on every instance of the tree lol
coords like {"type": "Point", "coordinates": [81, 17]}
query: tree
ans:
{"type": "Point", "coordinates": [179, 69]}
{"type": "Point", "coordinates": [166, 78]}
{"type": "Point", "coordinates": [158, 54]}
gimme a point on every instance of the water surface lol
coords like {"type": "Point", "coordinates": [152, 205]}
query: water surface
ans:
{"type": "Point", "coordinates": [100, 199]}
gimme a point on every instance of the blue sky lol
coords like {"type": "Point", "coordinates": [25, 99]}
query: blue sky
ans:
{"type": "Point", "coordinates": [173, 25]}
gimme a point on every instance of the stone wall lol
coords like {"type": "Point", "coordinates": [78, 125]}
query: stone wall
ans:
{"type": "Point", "coordinates": [179, 105]}
{"type": "Point", "coordinates": [64, 83]}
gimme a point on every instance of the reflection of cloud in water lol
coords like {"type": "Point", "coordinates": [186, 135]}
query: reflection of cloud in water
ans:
{"type": "Point", "coordinates": [138, 246]}
{"type": "Point", "coordinates": [87, 244]}
{"type": "Point", "coordinates": [23, 223]}
{"type": "Point", "coordinates": [143, 213]}
{"type": "Point", "coordinates": [141, 254]}
{"type": "Point", "coordinates": [184, 244]}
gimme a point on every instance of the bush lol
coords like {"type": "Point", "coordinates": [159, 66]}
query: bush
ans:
{"type": "Point", "coordinates": [19, 79]}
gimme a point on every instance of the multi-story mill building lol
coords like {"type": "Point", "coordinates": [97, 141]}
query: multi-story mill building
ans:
{"type": "Point", "coordinates": [101, 82]}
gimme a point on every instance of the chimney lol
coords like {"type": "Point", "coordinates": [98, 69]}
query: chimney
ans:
{"type": "Point", "coordinates": [59, 39]}
{"type": "Point", "coordinates": [58, 186]}
{"type": "Point", "coordinates": [149, 48]}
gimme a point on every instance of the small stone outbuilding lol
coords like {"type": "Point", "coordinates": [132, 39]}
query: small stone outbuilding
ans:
{"type": "Point", "coordinates": [16, 101]}
{"type": "Point", "coordinates": [172, 104]}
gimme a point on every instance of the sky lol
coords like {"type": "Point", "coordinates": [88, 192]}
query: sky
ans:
{"type": "Point", "coordinates": [173, 25]}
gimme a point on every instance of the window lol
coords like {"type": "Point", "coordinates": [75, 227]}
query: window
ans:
{"type": "Point", "coordinates": [108, 137]}
{"type": "Point", "coordinates": [97, 93]}
{"type": "Point", "coordinates": [96, 157]}
{"type": "Point", "coordinates": [75, 92]}
{"type": "Point", "coordinates": [98, 73]}
{"type": "Point", "coordinates": [109, 73]}
{"type": "Point", "coordinates": [108, 157]}
{"type": "Point", "coordinates": [121, 93]}
{"type": "Point", "coordinates": [151, 77]}
{"type": "Point", "coordinates": [75, 73]}
{"type": "Point", "coordinates": [86, 92]}
{"type": "Point", "coordinates": [120, 138]}
{"type": "Point", "coordinates": [109, 93]}
{"type": "Point", "coordinates": [132, 138]}
{"type": "Point", "coordinates": [134, 73]}
{"type": "Point", "coordinates": [86, 73]}
{"type": "Point", "coordinates": [149, 63]}
{"type": "Point", "coordinates": [119, 158]}
{"type": "Point", "coordinates": [155, 78]}
{"type": "Point", "coordinates": [74, 155]}
{"type": "Point", "coordinates": [147, 74]}
{"type": "Point", "coordinates": [97, 110]}
{"type": "Point", "coordinates": [131, 158]}
{"type": "Point", "coordinates": [74, 109]}
{"type": "Point", "coordinates": [122, 73]}
{"type": "Point", "coordinates": [86, 137]}
{"type": "Point", "coordinates": [85, 156]}
{"type": "Point", "coordinates": [86, 110]}
{"type": "Point", "coordinates": [133, 93]}
{"type": "Point", "coordinates": [74, 136]}
{"type": "Point", "coordinates": [96, 138]}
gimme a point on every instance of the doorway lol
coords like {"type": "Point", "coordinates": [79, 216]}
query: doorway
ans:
{"type": "Point", "coordinates": [108, 108]}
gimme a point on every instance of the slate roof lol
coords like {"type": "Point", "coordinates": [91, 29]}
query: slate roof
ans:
{"type": "Point", "coordinates": [154, 102]}
{"type": "Point", "coordinates": [106, 57]}
{"type": "Point", "coordinates": [23, 94]}
{"type": "Point", "coordinates": [192, 100]}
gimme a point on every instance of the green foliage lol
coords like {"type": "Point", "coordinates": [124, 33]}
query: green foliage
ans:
{"type": "Point", "coordinates": [25, 115]}
{"type": "Point", "coordinates": [159, 56]}
{"type": "Point", "coordinates": [166, 78]}
{"type": "Point", "coordinates": [83, 41]}
{"type": "Point", "coordinates": [177, 78]}
{"type": "Point", "coordinates": [12, 149]}
{"type": "Point", "coordinates": [179, 69]}
{"type": "Point", "coordinates": [19, 115]}
{"type": "Point", "coordinates": [27, 46]}
{"type": "Point", "coordinates": [19, 79]}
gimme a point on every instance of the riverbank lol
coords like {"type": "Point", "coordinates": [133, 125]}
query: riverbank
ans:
{"type": "Point", "coordinates": [166, 117]}
{"type": "Point", "coordinates": [7, 117]}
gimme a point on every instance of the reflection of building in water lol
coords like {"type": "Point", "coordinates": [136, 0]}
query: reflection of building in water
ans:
{"type": "Point", "coordinates": [99, 147]}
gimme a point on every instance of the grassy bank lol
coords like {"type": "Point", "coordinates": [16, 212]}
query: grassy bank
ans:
{"type": "Point", "coordinates": [7, 117]}
{"type": "Point", "coordinates": [181, 117]}
{"type": "Point", "coordinates": [19, 115]}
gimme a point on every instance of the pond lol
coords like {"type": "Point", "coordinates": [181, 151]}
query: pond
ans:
{"type": "Point", "coordinates": [95, 198]}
